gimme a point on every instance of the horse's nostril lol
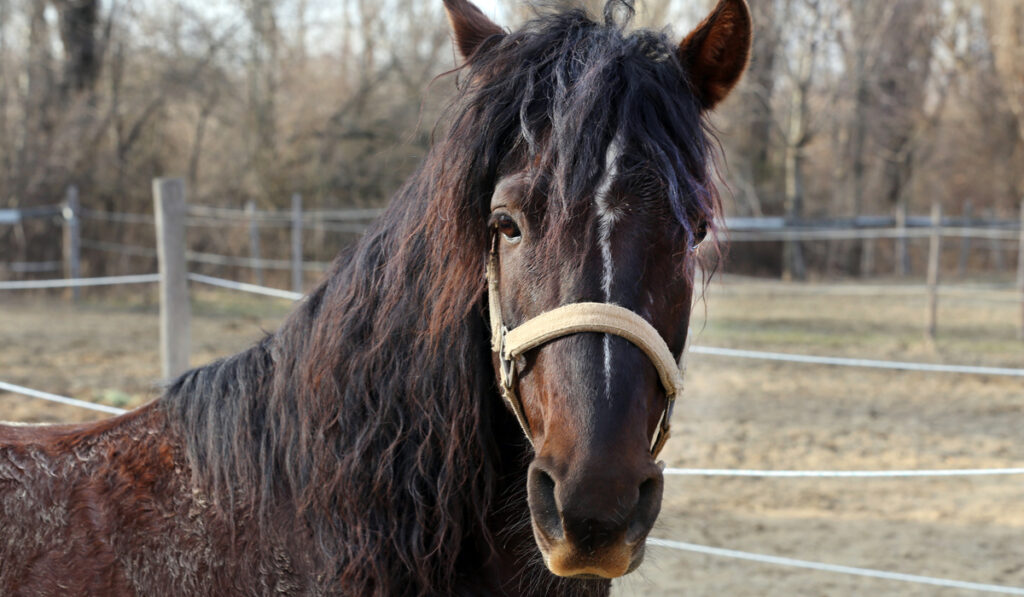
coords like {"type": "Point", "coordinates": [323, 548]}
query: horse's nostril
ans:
{"type": "Point", "coordinates": [541, 496]}
{"type": "Point", "coordinates": [647, 508]}
{"type": "Point", "coordinates": [649, 490]}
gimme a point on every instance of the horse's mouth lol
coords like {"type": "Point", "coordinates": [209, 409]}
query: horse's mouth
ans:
{"type": "Point", "coordinates": [566, 560]}
{"type": "Point", "coordinates": [637, 560]}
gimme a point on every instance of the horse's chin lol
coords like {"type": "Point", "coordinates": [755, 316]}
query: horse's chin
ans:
{"type": "Point", "coordinates": [564, 559]}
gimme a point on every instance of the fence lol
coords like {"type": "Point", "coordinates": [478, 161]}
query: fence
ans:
{"type": "Point", "coordinates": [868, 230]}
{"type": "Point", "coordinates": [901, 228]}
{"type": "Point", "coordinates": [65, 211]}
{"type": "Point", "coordinates": [171, 216]}
{"type": "Point", "coordinates": [211, 226]}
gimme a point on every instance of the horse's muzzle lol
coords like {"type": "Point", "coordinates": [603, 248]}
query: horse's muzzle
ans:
{"type": "Point", "coordinates": [593, 524]}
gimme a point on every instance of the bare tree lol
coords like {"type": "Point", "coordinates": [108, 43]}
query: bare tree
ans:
{"type": "Point", "coordinates": [849, 107]}
{"type": "Point", "coordinates": [1003, 73]}
{"type": "Point", "coordinates": [809, 22]}
{"type": "Point", "coordinates": [79, 23]}
{"type": "Point", "coordinates": [751, 117]}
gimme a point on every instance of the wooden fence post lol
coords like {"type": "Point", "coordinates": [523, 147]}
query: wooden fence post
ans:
{"type": "Point", "coordinates": [902, 255]}
{"type": "Point", "coordinates": [1020, 271]}
{"type": "Point", "coordinates": [965, 244]}
{"type": "Point", "coordinates": [934, 262]}
{"type": "Point", "coordinates": [297, 243]}
{"type": "Point", "coordinates": [175, 311]}
{"type": "Point", "coordinates": [254, 243]}
{"type": "Point", "coordinates": [72, 241]}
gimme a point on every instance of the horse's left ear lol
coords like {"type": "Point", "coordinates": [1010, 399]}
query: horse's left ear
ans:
{"type": "Point", "coordinates": [470, 25]}
{"type": "Point", "coordinates": [715, 54]}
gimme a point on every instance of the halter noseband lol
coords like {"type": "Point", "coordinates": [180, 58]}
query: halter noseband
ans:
{"type": "Point", "coordinates": [569, 319]}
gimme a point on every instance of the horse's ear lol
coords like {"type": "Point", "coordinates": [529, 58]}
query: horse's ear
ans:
{"type": "Point", "coordinates": [470, 26]}
{"type": "Point", "coordinates": [715, 54]}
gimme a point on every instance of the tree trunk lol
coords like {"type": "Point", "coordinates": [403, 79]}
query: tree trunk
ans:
{"type": "Point", "coordinates": [78, 20]}
{"type": "Point", "coordinates": [263, 66]}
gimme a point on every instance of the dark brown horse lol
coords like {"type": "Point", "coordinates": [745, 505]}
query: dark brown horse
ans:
{"type": "Point", "coordinates": [363, 448]}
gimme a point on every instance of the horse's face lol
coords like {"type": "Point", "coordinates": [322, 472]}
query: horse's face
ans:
{"type": "Point", "coordinates": [592, 401]}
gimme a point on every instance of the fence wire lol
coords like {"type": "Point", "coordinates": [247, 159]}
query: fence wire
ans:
{"type": "Point", "coordinates": [22, 390]}
{"type": "Point", "coordinates": [822, 567]}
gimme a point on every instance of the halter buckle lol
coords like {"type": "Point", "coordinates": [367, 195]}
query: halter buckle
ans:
{"type": "Point", "coordinates": [508, 367]}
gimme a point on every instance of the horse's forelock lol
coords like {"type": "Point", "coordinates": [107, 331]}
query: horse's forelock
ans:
{"type": "Point", "coordinates": [552, 96]}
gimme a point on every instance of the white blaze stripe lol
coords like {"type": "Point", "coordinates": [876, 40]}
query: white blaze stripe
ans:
{"type": "Point", "coordinates": [606, 219]}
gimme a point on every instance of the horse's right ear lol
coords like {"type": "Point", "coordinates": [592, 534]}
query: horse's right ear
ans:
{"type": "Point", "coordinates": [715, 54]}
{"type": "Point", "coordinates": [470, 26]}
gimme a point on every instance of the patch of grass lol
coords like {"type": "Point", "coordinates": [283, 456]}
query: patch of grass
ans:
{"type": "Point", "coordinates": [970, 332]}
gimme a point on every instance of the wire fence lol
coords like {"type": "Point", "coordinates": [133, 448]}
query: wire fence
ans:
{"type": "Point", "coordinates": [221, 235]}
{"type": "Point", "coordinates": [120, 217]}
{"type": "Point", "coordinates": [840, 474]}
{"type": "Point", "coordinates": [308, 216]}
{"type": "Point", "coordinates": [33, 267]}
{"type": "Point", "coordinates": [79, 282]}
{"type": "Point", "coordinates": [861, 363]}
{"type": "Point", "coordinates": [243, 287]}
{"type": "Point", "coordinates": [15, 216]}
{"type": "Point", "coordinates": [868, 234]}
{"type": "Point", "coordinates": [837, 569]}
{"type": "Point", "coordinates": [22, 390]}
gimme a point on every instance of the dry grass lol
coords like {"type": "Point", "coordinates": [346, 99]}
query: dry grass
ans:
{"type": "Point", "coordinates": [755, 414]}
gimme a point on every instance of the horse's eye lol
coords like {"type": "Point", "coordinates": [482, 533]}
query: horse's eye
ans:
{"type": "Point", "coordinates": [504, 224]}
{"type": "Point", "coordinates": [700, 234]}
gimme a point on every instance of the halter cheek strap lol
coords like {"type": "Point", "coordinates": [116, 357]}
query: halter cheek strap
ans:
{"type": "Point", "coordinates": [570, 319]}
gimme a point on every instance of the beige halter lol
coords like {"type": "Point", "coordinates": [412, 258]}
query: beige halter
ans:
{"type": "Point", "coordinates": [572, 319]}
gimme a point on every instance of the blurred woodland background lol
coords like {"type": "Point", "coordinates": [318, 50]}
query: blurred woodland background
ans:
{"type": "Point", "coordinates": [850, 107]}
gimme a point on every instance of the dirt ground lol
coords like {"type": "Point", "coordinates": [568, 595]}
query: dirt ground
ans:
{"type": "Point", "coordinates": [734, 414]}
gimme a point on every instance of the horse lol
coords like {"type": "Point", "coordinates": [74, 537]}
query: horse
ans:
{"type": "Point", "coordinates": [388, 439]}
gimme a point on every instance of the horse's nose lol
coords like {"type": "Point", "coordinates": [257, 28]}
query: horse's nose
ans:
{"type": "Point", "coordinates": [591, 515]}
{"type": "Point", "coordinates": [623, 515]}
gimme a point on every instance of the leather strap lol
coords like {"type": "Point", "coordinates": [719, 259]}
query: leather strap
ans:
{"type": "Point", "coordinates": [572, 319]}
{"type": "Point", "coordinates": [602, 318]}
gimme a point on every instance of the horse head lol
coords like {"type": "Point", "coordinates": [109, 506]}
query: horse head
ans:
{"type": "Point", "coordinates": [601, 195]}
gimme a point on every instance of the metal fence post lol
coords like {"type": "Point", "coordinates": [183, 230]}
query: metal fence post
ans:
{"type": "Point", "coordinates": [72, 240]}
{"type": "Point", "coordinates": [297, 242]}
{"type": "Point", "coordinates": [902, 254]}
{"type": "Point", "coordinates": [934, 262]}
{"type": "Point", "coordinates": [254, 243]}
{"type": "Point", "coordinates": [965, 243]}
{"type": "Point", "coordinates": [1020, 271]}
{"type": "Point", "coordinates": [995, 246]}
{"type": "Point", "coordinates": [175, 311]}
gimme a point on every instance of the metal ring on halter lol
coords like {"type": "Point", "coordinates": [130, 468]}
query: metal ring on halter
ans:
{"type": "Point", "coordinates": [508, 366]}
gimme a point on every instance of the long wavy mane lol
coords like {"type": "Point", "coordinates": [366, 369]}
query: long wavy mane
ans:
{"type": "Point", "coordinates": [370, 415]}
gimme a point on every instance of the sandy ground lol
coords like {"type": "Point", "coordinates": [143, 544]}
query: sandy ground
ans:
{"type": "Point", "coordinates": [735, 414]}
